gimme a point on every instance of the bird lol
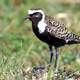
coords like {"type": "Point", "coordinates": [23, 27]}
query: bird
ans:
{"type": "Point", "coordinates": [51, 31]}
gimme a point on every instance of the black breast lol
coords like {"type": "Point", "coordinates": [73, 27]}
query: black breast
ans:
{"type": "Point", "coordinates": [47, 38]}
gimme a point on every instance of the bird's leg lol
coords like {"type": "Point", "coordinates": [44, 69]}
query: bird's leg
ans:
{"type": "Point", "coordinates": [56, 59]}
{"type": "Point", "coordinates": [51, 54]}
{"type": "Point", "coordinates": [43, 67]}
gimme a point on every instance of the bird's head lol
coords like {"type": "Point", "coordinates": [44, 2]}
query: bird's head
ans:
{"type": "Point", "coordinates": [35, 15]}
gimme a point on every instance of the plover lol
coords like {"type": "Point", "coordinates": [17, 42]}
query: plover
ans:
{"type": "Point", "coordinates": [51, 31]}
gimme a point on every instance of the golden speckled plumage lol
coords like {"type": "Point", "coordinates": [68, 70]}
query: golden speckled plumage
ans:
{"type": "Point", "coordinates": [58, 29]}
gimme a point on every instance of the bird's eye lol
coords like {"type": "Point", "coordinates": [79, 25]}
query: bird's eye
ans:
{"type": "Point", "coordinates": [37, 15]}
{"type": "Point", "coordinates": [30, 15]}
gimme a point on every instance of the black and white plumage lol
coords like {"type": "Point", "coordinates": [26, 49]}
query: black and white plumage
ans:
{"type": "Point", "coordinates": [51, 31]}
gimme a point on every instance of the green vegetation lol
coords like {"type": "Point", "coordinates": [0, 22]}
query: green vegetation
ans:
{"type": "Point", "coordinates": [20, 49]}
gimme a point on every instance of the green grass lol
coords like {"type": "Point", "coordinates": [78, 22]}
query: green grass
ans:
{"type": "Point", "coordinates": [20, 49]}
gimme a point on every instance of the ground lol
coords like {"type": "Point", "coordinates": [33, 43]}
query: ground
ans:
{"type": "Point", "coordinates": [20, 50]}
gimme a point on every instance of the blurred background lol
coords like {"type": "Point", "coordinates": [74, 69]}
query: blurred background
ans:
{"type": "Point", "coordinates": [19, 47]}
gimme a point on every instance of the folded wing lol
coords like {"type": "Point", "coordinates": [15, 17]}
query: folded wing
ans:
{"type": "Point", "coordinates": [58, 29]}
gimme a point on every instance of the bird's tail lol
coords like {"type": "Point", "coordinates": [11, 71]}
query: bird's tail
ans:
{"type": "Point", "coordinates": [74, 39]}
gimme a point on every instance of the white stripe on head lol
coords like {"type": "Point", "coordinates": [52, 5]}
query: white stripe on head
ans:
{"type": "Point", "coordinates": [34, 11]}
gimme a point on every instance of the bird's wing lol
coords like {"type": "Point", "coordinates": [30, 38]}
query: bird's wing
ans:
{"type": "Point", "coordinates": [57, 29]}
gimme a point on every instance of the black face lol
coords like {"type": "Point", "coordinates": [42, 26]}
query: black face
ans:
{"type": "Point", "coordinates": [35, 16]}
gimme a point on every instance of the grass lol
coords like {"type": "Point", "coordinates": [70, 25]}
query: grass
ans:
{"type": "Point", "coordinates": [20, 49]}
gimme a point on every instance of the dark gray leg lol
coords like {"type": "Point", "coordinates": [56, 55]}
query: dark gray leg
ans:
{"type": "Point", "coordinates": [56, 58]}
{"type": "Point", "coordinates": [43, 67]}
{"type": "Point", "coordinates": [51, 54]}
